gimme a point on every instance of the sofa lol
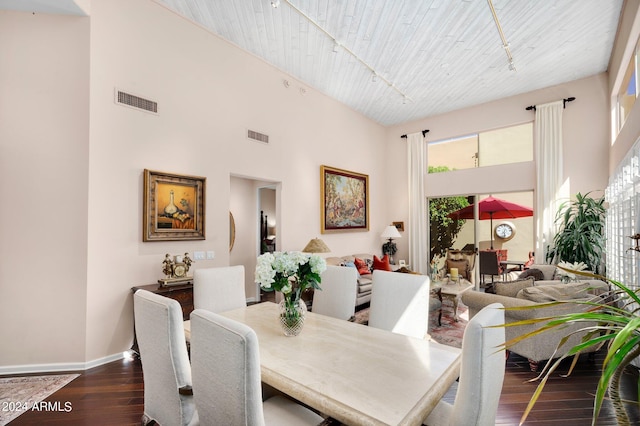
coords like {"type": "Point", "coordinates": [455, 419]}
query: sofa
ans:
{"type": "Point", "coordinates": [364, 282]}
{"type": "Point", "coordinates": [530, 292]}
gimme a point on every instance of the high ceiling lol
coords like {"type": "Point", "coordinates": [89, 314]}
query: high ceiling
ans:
{"type": "Point", "coordinates": [431, 56]}
{"type": "Point", "coordinates": [442, 54]}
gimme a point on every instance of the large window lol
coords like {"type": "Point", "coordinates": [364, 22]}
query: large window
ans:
{"type": "Point", "coordinates": [628, 91]}
{"type": "Point", "coordinates": [623, 219]}
{"type": "Point", "coordinates": [502, 146]}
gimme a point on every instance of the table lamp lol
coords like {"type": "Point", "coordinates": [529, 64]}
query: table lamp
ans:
{"type": "Point", "coordinates": [316, 245]}
{"type": "Point", "coordinates": [389, 247]}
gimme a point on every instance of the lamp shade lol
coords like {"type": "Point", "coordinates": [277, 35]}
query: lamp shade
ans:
{"type": "Point", "coordinates": [391, 232]}
{"type": "Point", "coordinates": [316, 245]}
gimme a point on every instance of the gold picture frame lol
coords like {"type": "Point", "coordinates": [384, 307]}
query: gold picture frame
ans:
{"type": "Point", "coordinates": [173, 207]}
{"type": "Point", "coordinates": [344, 200]}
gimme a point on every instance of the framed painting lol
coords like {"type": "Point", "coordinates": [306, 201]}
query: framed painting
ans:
{"type": "Point", "coordinates": [173, 207]}
{"type": "Point", "coordinates": [344, 200]}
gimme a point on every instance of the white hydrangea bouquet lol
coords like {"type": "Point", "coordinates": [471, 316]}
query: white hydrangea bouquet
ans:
{"type": "Point", "coordinates": [289, 273]}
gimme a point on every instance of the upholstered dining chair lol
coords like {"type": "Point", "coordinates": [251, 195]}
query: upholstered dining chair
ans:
{"type": "Point", "coordinates": [400, 303]}
{"type": "Point", "coordinates": [481, 373]}
{"type": "Point", "coordinates": [227, 382]}
{"type": "Point", "coordinates": [217, 290]}
{"type": "Point", "coordinates": [166, 371]}
{"type": "Point", "coordinates": [337, 298]}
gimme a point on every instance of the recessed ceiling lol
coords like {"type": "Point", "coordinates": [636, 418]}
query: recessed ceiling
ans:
{"type": "Point", "coordinates": [442, 54]}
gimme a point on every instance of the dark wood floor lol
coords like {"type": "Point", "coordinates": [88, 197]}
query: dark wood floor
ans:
{"type": "Point", "coordinates": [112, 394]}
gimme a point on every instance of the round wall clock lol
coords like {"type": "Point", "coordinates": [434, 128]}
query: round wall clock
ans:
{"type": "Point", "coordinates": [505, 231]}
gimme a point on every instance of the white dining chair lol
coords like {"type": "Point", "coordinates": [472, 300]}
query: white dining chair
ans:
{"type": "Point", "coordinates": [166, 371]}
{"type": "Point", "coordinates": [481, 373]}
{"type": "Point", "coordinates": [400, 303]}
{"type": "Point", "coordinates": [217, 290]}
{"type": "Point", "coordinates": [227, 386]}
{"type": "Point", "coordinates": [337, 298]}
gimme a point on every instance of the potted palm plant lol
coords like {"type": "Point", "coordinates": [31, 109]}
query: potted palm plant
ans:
{"type": "Point", "coordinates": [612, 321]}
{"type": "Point", "coordinates": [581, 232]}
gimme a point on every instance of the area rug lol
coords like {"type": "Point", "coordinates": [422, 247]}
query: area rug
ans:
{"type": "Point", "coordinates": [449, 333]}
{"type": "Point", "coordinates": [19, 394]}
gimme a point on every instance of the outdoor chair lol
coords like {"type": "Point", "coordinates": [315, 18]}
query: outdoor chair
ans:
{"type": "Point", "coordinates": [489, 265]}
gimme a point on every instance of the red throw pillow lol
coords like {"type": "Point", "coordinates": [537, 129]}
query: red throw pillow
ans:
{"type": "Point", "coordinates": [362, 267]}
{"type": "Point", "coordinates": [381, 264]}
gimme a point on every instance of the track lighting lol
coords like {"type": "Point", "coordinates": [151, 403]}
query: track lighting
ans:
{"type": "Point", "coordinates": [375, 76]}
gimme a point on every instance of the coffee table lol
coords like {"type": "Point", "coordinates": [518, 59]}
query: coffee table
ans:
{"type": "Point", "coordinates": [452, 290]}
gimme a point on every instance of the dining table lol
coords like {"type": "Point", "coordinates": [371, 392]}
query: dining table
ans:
{"type": "Point", "coordinates": [356, 374]}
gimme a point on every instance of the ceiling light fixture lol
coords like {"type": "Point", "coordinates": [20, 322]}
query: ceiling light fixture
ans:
{"type": "Point", "coordinates": [505, 44]}
{"type": "Point", "coordinates": [275, 4]}
{"type": "Point", "coordinates": [376, 75]}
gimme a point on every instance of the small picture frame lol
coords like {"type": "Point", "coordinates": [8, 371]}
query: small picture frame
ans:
{"type": "Point", "coordinates": [399, 226]}
{"type": "Point", "coordinates": [173, 207]}
{"type": "Point", "coordinates": [402, 263]}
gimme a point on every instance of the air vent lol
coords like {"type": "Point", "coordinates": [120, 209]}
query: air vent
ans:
{"type": "Point", "coordinates": [260, 137]}
{"type": "Point", "coordinates": [137, 102]}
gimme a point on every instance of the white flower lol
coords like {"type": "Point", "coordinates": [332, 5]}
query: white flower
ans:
{"type": "Point", "coordinates": [281, 271]}
{"type": "Point", "coordinates": [575, 266]}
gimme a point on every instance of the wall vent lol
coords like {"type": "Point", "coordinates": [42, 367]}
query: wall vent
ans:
{"type": "Point", "coordinates": [256, 136]}
{"type": "Point", "coordinates": [137, 102]}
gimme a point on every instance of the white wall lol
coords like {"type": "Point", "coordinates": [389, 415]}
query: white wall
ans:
{"type": "Point", "coordinates": [209, 93]}
{"type": "Point", "coordinates": [585, 141]}
{"type": "Point", "coordinates": [44, 151]}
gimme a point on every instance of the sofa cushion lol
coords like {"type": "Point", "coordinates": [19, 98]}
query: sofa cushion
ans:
{"type": "Point", "coordinates": [554, 292]}
{"type": "Point", "coordinates": [381, 264]}
{"type": "Point", "coordinates": [512, 288]}
{"type": "Point", "coordinates": [532, 272]}
{"type": "Point", "coordinates": [549, 271]}
{"type": "Point", "coordinates": [334, 261]}
{"type": "Point", "coordinates": [362, 267]}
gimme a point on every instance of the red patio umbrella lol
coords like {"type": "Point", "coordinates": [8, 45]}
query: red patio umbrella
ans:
{"type": "Point", "coordinates": [493, 208]}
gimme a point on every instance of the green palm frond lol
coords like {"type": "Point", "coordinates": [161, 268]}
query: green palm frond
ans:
{"type": "Point", "coordinates": [608, 321]}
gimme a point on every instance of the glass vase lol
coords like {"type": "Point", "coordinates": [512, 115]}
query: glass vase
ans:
{"type": "Point", "coordinates": [291, 315]}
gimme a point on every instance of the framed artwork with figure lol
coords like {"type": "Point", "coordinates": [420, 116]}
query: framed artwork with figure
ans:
{"type": "Point", "coordinates": [173, 207]}
{"type": "Point", "coordinates": [344, 200]}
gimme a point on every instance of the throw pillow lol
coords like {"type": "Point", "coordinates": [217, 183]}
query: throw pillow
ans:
{"type": "Point", "coordinates": [533, 272]}
{"type": "Point", "coordinates": [549, 271]}
{"type": "Point", "coordinates": [461, 264]}
{"type": "Point", "coordinates": [512, 288]}
{"type": "Point", "coordinates": [381, 264]}
{"type": "Point", "coordinates": [361, 266]}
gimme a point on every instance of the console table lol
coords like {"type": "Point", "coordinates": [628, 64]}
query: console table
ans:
{"type": "Point", "coordinates": [183, 293]}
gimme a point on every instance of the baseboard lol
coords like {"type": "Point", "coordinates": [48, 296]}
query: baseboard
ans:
{"type": "Point", "coordinates": [58, 367]}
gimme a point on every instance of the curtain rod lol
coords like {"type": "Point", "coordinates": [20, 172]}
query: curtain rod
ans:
{"type": "Point", "coordinates": [564, 103]}
{"type": "Point", "coordinates": [424, 133]}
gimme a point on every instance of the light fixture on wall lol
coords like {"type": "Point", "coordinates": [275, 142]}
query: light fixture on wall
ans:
{"type": "Point", "coordinates": [390, 232]}
{"type": "Point", "coordinates": [275, 4]}
{"type": "Point", "coordinates": [316, 245]}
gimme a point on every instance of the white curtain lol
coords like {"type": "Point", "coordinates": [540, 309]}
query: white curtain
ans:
{"type": "Point", "coordinates": [548, 150]}
{"type": "Point", "coordinates": [417, 168]}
